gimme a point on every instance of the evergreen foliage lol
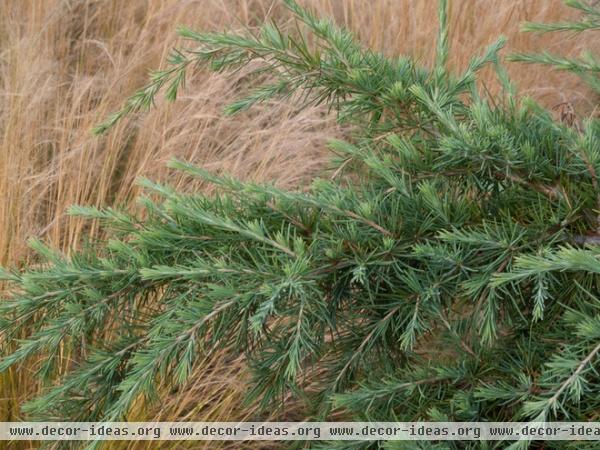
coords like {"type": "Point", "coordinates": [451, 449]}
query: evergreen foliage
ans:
{"type": "Point", "coordinates": [453, 276]}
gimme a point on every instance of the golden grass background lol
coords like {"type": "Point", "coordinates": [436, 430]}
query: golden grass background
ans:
{"type": "Point", "coordinates": [65, 64]}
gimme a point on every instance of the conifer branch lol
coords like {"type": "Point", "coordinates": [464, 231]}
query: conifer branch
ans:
{"type": "Point", "coordinates": [453, 274]}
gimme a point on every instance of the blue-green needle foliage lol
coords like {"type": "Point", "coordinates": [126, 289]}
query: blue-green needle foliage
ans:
{"type": "Point", "coordinates": [453, 276]}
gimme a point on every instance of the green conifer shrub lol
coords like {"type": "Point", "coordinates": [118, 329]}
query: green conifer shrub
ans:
{"type": "Point", "coordinates": [453, 275]}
